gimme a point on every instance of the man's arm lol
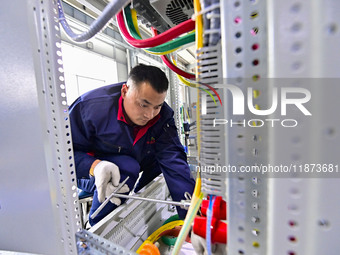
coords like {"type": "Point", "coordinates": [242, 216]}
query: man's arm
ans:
{"type": "Point", "coordinates": [107, 175]}
{"type": "Point", "coordinates": [173, 162]}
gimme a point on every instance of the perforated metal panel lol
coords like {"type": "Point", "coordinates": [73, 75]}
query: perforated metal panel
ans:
{"type": "Point", "coordinates": [54, 112]}
{"type": "Point", "coordinates": [282, 44]}
{"type": "Point", "coordinates": [175, 102]}
{"type": "Point", "coordinates": [89, 243]}
{"type": "Point", "coordinates": [244, 37]}
{"type": "Point", "coordinates": [39, 210]}
{"type": "Point", "coordinates": [213, 148]}
{"type": "Point", "coordinates": [304, 208]}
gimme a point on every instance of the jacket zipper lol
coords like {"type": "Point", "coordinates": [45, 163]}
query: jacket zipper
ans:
{"type": "Point", "coordinates": [112, 146]}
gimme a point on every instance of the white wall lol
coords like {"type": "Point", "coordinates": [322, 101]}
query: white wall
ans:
{"type": "Point", "coordinates": [85, 70]}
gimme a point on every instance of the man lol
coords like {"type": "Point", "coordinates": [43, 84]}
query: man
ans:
{"type": "Point", "coordinates": [122, 129]}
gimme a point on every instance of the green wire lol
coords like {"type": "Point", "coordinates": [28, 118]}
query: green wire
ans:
{"type": "Point", "coordinates": [178, 42]}
{"type": "Point", "coordinates": [168, 46]}
{"type": "Point", "coordinates": [168, 240]}
{"type": "Point", "coordinates": [129, 21]}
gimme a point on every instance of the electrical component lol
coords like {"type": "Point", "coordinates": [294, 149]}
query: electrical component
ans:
{"type": "Point", "coordinates": [172, 11]}
{"type": "Point", "coordinates": [219, 208]}
{"type": "Point", "coordinates": [163, 14]}
{"type": "Point", "coordinates": [150, 17]}
{"type": "Point", "coordinates": [218, 229]}
{"type": "Point", "coordinates": [215, 210]}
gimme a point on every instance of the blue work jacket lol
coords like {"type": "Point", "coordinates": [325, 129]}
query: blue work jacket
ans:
{"type": "Point", "coordinates": [98, 132]}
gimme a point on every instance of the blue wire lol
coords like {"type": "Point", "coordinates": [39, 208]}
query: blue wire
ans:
{"type": "Point", "coordinates": [209, 220]}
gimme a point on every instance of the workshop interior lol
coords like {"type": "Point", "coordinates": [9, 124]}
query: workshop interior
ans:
{"type": "Point", "coordinates": [254, 85]}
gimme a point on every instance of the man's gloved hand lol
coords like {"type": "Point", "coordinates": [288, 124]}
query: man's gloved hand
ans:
{"type": "Point", "coordinates": [109, 190]}
{"type": "Point", "coordinates": [200, 246]}
{"type": "Point", "coordinates": [105, 173]}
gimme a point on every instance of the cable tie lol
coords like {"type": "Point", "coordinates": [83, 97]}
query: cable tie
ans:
{"type": "Point", "coordinates": [205, 10]}
{"type": "Point", "coordinates": [212, 31]}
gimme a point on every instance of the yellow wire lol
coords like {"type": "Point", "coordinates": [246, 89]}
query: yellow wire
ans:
{"type": "Point", "coordinates": [199, 45]}
{"type": "Point", "coordinates": [162, 53]}
{"type": "Point", "coordinates": [155, 235]}
{"type": "Point", "coordinates": [135, 24]}
{"type": "Point", "coordinates": [185, 82]}
{"type": "Point", "coordinates": [186, 111]}
{"type": "Point", "coordinates": [195, 85]}
{"type": "Point", "coordinates": [134, 21]}
{"type": "Point", "coordinates": [197, 195]}
{"type": "Point", "coordinates": [192, 85]}
{"type": "Point", "coordinates": [191, 214]}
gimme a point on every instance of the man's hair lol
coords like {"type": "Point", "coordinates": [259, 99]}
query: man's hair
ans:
{"type": "Point", "coordinates": [155, 76]}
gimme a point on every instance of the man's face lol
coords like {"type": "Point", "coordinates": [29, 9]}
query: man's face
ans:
{"type": "Point", "coordinates": [142, 103]}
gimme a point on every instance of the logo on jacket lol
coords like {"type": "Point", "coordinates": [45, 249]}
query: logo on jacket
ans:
{"type": "Point", "coordinates": [152, 141]}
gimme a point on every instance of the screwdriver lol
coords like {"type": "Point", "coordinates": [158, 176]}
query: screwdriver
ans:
{"type": "Point", "coordinates": [183, 203]}
{"type": "Point", "coordinates": [108, 198]}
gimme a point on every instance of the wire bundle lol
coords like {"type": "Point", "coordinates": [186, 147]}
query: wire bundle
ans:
{"type": "Point", "coordinates": [161, 44]}
{"type": "Point", "coordinates": [180, 73]}
{"type": "Point", "coordinates": [162, 49]}
{"type": "Point", "coordinates": [168, 35]}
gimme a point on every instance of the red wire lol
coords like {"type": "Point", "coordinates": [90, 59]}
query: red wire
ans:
{"type": "Point", "coordinates": [186, 75]}
{"type": "Point", "coordinates": [218, 96]}
{"type": "Point", "coordinates": [168, 35]}
{"type": "Point", "coordinates": [176, 69]}
{"type": "Point", "coordinates": [171, 65]}
{"type": "Point", "coordinates": [181, 72]}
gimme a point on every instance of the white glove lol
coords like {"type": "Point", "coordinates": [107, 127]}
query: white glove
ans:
{"type": "Point", "coordinates": [200, 246]}
{"type": "Point", "coordinates": [105, 173]}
